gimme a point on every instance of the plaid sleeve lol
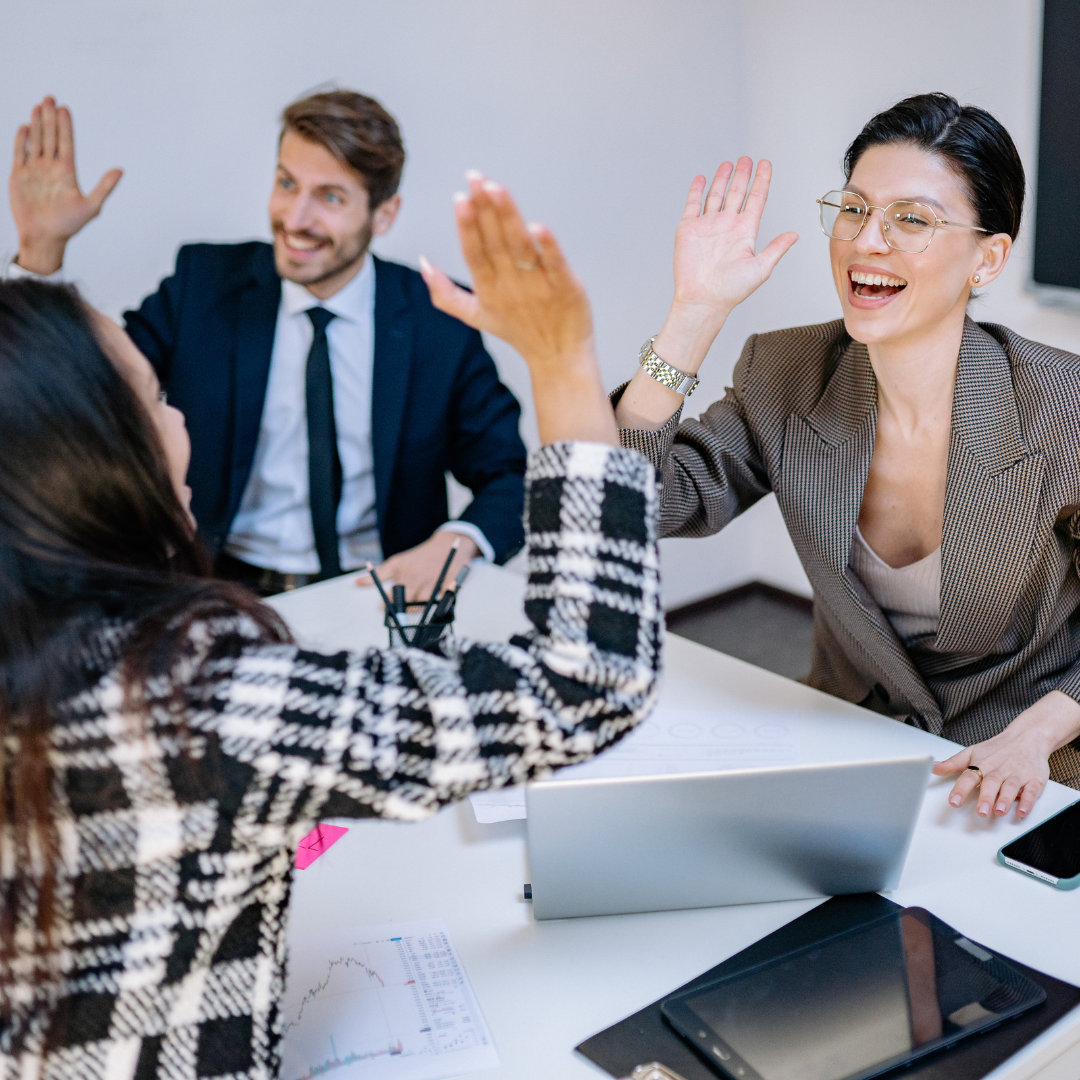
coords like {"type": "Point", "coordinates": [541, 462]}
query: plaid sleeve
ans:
{"type": "Point", "coordinates": [398, 733]}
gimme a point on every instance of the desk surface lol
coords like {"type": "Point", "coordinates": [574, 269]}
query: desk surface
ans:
{"type": "Point", "coordinates": [545, 986]}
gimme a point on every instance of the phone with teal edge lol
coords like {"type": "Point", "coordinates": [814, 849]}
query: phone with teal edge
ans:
{"type": "Point", "coordinates": [1050, 851]}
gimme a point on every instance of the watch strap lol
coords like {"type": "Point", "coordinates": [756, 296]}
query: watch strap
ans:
{"type": "Point", "coordinates": [664, 373]}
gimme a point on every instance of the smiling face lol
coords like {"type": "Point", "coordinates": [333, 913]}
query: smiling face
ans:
{"type": "Point", "coordinates": [320, 217]}
{"type": "Point", "coordinates": [892, 298]}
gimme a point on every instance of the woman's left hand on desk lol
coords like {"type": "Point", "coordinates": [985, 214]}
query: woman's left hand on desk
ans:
{"type": "Point", "coordinates": [1013, 766]}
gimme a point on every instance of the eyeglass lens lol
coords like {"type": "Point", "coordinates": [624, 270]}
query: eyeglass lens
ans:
{"type": "Point", "coordinates": [907, 226]}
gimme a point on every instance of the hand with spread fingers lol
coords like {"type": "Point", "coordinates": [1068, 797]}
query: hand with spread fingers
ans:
{"type": "Point", "coordinates": [717, 264]}
{"type": "Point", "coordinates": [47, 203]}
{"type": "Point", "coordinates": [1013, 766]}
{"type": "Point", "coordinates": [525, 293]}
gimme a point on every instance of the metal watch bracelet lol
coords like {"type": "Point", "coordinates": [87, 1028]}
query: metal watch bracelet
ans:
{"type": "Point", "coordinates": [664, 373]}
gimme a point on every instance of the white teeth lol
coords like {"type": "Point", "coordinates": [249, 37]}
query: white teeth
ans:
{"type": "Point", "coordinates": [860, 278]}
{"type": "Point", "coordinates": [301, 245]}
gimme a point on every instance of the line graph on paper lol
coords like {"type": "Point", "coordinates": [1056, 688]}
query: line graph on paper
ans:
{"type": "Point", "coordinates": [380, 1002]}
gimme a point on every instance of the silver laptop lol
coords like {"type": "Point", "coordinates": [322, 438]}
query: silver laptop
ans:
{"type": "Point", "coordinates": [611, 845]}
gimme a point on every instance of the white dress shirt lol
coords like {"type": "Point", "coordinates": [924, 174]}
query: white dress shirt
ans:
{"type": "Point", "coordinates": [272, 527]}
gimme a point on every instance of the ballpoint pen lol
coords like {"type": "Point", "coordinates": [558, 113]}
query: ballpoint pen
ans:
{"type": "Point", "coordinates": [446, 602]}
{"type": "Point", "coordinates": [438, 584]}
{"type": "Point", "coordinates": [388, 603]}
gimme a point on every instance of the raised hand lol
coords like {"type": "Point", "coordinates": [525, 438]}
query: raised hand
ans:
{"type": "Point", "coordinates": [717, 264]}
{"type": "Point", "coordinates": [525, 292]}
{"type": "Point", "coordinates": [47, 203]}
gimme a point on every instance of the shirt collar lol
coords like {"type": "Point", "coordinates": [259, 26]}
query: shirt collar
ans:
{"type": "Point", "coordinates": [352, 303]}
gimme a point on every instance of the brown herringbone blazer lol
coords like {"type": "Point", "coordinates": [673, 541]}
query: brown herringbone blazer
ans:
{"type": "Point", "coordinates": [799, 421]}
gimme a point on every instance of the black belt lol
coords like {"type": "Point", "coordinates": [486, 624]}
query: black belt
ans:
{"type": "Point", "coordinates": [258, 578]}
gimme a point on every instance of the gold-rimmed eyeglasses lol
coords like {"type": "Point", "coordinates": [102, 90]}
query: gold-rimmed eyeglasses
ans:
{"type": "Point", "coordinates": [906, 226]}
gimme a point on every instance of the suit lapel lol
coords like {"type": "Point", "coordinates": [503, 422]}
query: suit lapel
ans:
{"type": "Point", "coordinates": [991, 497]}
{"type": "Point", "coordinates": [393, 359]}
{"type": "Point", "coordinates": [257, 304]}
{"type": "Point", "coordinates": [827, 456]}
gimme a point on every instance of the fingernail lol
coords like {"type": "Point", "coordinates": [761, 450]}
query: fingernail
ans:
{"type": "Point", "coordinates": [984, 809]}
{"type": "Point", "coordinates": [492, 187]}
{"type": "Point", "coordinates": [473, 174]}
{"type": "Point", "coordinates": [1001, 808]}
{"type": "Point", "coordinates": [460, 197]}
{"type": "Point", "coordinates": [955, 800]}
{"type": "Point", "coordinates": [425, 266]}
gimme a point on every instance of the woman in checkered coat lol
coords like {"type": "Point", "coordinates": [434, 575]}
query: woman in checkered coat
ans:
{"type": "Point", "coordinates": [165, 744]}
{"type": "Point", "coordinates": [927, 466]}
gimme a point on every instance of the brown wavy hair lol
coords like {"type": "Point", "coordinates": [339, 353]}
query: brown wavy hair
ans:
{"type": "Point", "coordinates": [358, 131]}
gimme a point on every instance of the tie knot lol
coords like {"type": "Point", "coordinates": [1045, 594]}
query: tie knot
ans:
{"type": "Point", "coordinates": [320, 319]}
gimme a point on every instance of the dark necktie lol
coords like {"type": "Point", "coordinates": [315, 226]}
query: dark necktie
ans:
{"type": "Point", "coordinates": [324, 465]}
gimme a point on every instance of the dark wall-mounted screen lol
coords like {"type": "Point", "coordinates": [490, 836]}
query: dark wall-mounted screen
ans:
{"type": "Point", "coordinates": [1057, 194]}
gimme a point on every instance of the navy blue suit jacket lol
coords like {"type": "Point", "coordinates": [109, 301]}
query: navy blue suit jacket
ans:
{"type": "Point", "coordinates": [437, 403]}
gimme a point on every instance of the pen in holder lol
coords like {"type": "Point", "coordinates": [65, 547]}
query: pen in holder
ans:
{"type": "Point", "coordinates": [436, 612]}
{"type": "Point", "coordinates": [419, 622]}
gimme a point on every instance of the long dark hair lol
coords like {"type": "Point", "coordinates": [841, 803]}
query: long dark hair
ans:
{"type": "Point", "coordinates": [973, 143]}
{"type": "Point", "coordinates": [91, 531]}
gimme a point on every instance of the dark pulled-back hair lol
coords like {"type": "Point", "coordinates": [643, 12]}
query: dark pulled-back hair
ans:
{"type": "Point", "coordinates": [91, 533]}
{"type": "Point", "coordinates": [971, 141]}
{"type": "Point", "coordinates": [358, 131]}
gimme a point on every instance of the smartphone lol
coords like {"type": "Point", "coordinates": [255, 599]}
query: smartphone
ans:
{"type": "Point", "coordinates": [1050, 851]}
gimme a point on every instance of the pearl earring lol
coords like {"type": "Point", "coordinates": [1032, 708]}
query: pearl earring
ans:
{"type": "Point", "coordinates": [976, 279]}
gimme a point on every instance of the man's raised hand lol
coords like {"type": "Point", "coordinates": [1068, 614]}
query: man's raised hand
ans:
{"type": "Point", "coordinates": [46, 201]}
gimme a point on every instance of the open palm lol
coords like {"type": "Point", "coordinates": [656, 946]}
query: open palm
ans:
{"type": "Point", "coordinates": [717, 264]}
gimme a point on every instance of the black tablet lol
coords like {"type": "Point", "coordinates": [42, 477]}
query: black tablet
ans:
{"type": "Point", "coordinates": [850, 1007]}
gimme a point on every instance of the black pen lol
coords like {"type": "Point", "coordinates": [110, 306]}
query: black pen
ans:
{"type": "Point", "coordinates": [446, 602]}
{"type": "Point", "coordinates": [386, 601]}
{"type": "Point", "coordinates": [438, 584]}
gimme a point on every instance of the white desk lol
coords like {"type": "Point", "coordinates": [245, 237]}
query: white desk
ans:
{"type": "Point", "coordinates": [546, 986]}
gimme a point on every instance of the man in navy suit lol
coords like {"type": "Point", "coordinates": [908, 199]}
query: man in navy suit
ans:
{"type": "Point", "coordinates": [407, 395]}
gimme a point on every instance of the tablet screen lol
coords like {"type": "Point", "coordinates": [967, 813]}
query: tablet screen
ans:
{"type": "Point", "coordinates": [854, 1005]}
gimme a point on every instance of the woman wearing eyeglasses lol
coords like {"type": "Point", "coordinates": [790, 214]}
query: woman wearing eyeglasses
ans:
{"type": "Point", "coordinates": [927, 467]}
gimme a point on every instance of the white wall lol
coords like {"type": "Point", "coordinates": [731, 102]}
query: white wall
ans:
{"type": "Point", "coordinates": [596, 114]}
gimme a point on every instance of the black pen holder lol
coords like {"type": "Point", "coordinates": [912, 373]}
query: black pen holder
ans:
{"type": "Point", "coordinates": [406, 624]}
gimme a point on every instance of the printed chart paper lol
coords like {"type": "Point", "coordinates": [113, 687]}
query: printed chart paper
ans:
{"type": "Point", "coordinates": [375, 1002]}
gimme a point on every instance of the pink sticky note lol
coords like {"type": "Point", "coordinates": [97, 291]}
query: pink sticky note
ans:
{"type": "Point", "coordinates": [320, 839]}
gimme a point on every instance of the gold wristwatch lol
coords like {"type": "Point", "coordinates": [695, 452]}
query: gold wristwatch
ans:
{"type": "Point", "coordinates": [664, 373]}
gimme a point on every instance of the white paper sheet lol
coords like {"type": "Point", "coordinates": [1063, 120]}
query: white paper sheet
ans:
{"type": "Point", "coordinates": [670, 741]}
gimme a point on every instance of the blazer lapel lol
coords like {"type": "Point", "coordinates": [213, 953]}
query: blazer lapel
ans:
{"type": "Point", "coordinates": [991, 497]}
{"type": "Point", "coordinates": [827, 456]}
{"type": "Point", "coordinates": [393, 359]}
{"type": "Point", "coordinates": [256, 306]}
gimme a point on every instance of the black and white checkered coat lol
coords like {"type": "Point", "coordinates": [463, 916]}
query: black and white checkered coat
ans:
{"type": "Point", "coordinates": [178, 831]}
{"type": "Point", "coordinates": [800, 421]}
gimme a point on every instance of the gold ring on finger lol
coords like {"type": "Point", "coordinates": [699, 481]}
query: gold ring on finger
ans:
{"type": "Point", "coordinates": [976, 769]}
{"type": "Point", "coordinates": [521, 264]}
